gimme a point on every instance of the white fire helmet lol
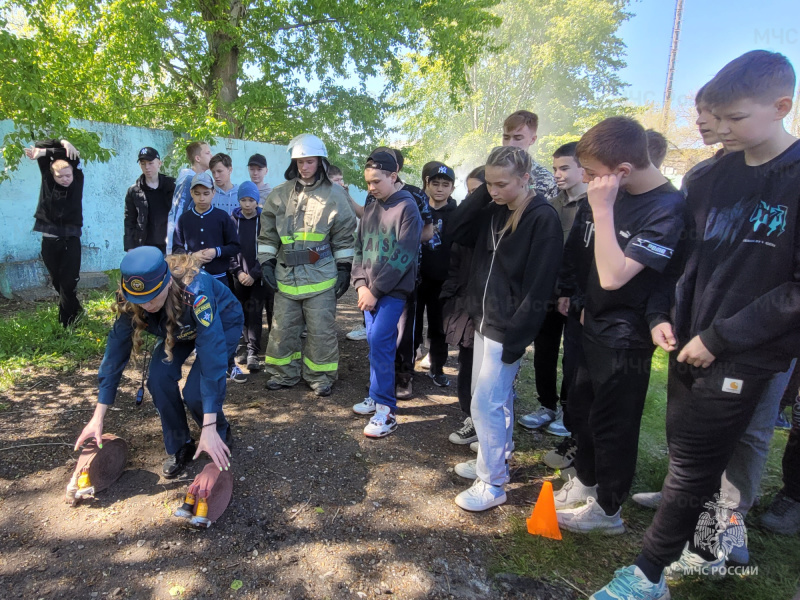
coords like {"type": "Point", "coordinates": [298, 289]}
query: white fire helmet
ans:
{"type": "Point", "coordinates": [305, 145]}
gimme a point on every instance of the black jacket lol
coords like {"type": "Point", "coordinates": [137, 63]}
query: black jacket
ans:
{"type": "Point", "coordinates": [514, 274]}
{"type": "Point", "coordinates": [435, 260]}
{"type": "Point", "coordinates": [137, 209]}
{"type": "Point", "coordinates": [458, 326]}
{"type": "Point", "coordinates": [740, 291]}
{"type": "Point", "coordinates": [248, 230]}
{"type": "Point", "coordinates": [60, 209]}
{"type": "Point", "coordinates": [578, 257]}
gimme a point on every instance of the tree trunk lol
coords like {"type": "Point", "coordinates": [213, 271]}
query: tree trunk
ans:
{"type": "Point", "coordinates": [222, 87]}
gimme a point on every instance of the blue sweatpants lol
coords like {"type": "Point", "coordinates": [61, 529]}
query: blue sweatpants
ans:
{"type": "Point", "coordinates": [162, 381]}
{"type": "Point", "coordinates": [382, 337]}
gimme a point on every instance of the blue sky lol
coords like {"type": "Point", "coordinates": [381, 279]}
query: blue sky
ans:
{"type": "Point", "coordinates": [713, 33]}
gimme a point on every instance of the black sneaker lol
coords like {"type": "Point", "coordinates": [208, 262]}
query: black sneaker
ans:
{"type": "Point", "coordinates": [563, 455]}
{"type": "Point", "coordinates": [253, 364]}
{"type": "Point", "coordinates": [273, 385]}
{"type": "Point", "coordinates": [237, 376]}
{"type": "Point", "coordinates": [441, 379]}
{"type": "Point", "coordinates": [177, 463]}
{"type": "Point", "coordinates": [783, 515]}
{"type": "Point", "coordinates": [465, 435]}
{"type": "Point", "coordinates": [322, 391]}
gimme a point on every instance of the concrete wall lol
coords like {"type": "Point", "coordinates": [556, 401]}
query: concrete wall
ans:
{"type": "Point", "coordinates": [103, 199]}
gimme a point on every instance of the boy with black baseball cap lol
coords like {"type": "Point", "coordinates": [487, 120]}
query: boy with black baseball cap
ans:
{"type": "Point", "coordinates": [384, 275]}
{"type": "Point", "coordinates": [148, 203]}
{"type": "Point", "coordinates": [434, 265]}
{"type": "Point", "coordinates": [257, 167]}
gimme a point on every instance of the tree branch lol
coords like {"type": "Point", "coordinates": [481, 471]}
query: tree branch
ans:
{"type": "Point", "coordinates": [310, 24]}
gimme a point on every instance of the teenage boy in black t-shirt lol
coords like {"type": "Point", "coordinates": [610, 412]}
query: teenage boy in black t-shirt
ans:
{"type": "Point", "coordinates": [638, 219]}
{"type": "Point", "coordinates": [736, 322]}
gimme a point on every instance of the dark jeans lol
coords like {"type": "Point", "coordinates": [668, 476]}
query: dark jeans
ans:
{"type": "Point", "coordinates": [253, 298]}
{"type": "Point", "coordinates": [62, 257]}
{"type": "Point", "coordinates": [404, 355]}
{"type": "Point", "coordinates": [573, 354]}
{"type": "Point", "coordinates": [464, 388]}
{"type": "Point", "coordinates": [704, 424]}
{"type": "Point", "coordinates": [791, 456]}
{"type": "Point", "coordinates": [163, 380]}
{"type": "Point", "coordinates": [545, 357]}
{"type": "Point", "coordinates": [428, 299]}
{"type": "Point", "coordinates": [605, 412]}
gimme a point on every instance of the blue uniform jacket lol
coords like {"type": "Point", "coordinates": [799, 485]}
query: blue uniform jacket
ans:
{"type": "Point", "coordinates": [210, 310]}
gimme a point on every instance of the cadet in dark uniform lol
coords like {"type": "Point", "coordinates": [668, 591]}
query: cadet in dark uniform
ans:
{"type": "Point", "coordinates": [187, 309]}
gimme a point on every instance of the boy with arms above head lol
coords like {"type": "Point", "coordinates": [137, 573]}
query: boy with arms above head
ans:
{"type": "Point", "coordinates": [434, 265]}
{"type": "Point", "coordinates": [638, 223]}
{"type": "Point", "coordinates": [226, 193]}
{"type": "Point", "coordinates": [198, 154]}
{"type": "Point", "coordinates": [520, 129]}
{"type": "Point", "coordinates": [148, 204]}
{"type": "Point", "coordinates": [736, 316]}
{"type": "Point", "coordinates": [572, 189]}
{"type": "Point", "coordinates": [384, 275]}
{"type": "Point", "coordinates": [257, 167]}
{"type": "Point", "coordinates": [59, 218]}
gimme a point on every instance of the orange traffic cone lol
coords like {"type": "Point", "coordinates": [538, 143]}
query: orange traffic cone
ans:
{"type": "Point", "coordinates": [543, 519]}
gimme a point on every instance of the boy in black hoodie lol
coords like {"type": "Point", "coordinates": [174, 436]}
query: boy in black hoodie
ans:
{"type": "Point", "coordinates": [248, 282]}
{"type": "Point", "coordinates": [434, 266]}
{"type": "Point", "coordinates": [59, 218]}
{"type": "Point", "coordinates": [737, 312]}
{"type": "Point", "coordinates": [638, 223]}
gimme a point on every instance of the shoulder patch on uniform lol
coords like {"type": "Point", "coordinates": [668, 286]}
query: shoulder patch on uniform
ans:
{"type": "Point", "coordinates": [203, 311]}
{"type": "Point", "coordinates": [199, 300]}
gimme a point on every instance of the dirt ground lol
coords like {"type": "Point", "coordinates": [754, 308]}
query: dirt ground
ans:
{"type": "Point", "coordinates": [318, 510]}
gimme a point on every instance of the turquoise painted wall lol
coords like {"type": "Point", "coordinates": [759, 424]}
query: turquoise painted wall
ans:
{"type": "Point", "coordinates": [103, 199]}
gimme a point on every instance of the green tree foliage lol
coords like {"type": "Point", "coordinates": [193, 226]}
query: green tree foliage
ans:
{"type": "Point", "coordinates": [558, 58]}
{"type": "Point", "coordinates": [255, 69]}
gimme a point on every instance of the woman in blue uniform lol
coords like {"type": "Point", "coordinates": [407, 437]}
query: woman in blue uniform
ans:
{"type": "Point", "coordinates": [175, 300]}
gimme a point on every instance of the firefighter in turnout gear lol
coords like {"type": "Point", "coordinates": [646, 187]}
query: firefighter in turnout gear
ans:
{"type": "Point", "coordinates": [306, 250]}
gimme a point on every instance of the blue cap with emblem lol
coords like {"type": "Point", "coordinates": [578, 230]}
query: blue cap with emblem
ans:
{"type": "Point", "coordinates": [144, 274]}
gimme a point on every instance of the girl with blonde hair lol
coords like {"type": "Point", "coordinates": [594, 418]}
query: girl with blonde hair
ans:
{"type": "Point", "coordinates": [517, 240]}
{"type": "Point", "coordinates": [173, 299]}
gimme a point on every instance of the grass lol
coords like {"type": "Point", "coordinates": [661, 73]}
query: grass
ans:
{"type": "Point", "coordinates": [33, 340]}
{"type": "Point", "coordinates": [588, 561]}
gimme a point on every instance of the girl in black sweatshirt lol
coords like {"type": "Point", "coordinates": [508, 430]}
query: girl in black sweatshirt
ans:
{"type": "Point", "coordinates": [517, 240]}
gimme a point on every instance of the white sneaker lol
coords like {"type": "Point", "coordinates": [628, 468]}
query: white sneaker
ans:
{"type": "Point", "coordinates": [474, 447]}
{"type": "Point", "coordinates": [481, 496]}
{"type": "Point", "coordinates": [647, 499]}
{"type": "Point", "coordinates": [425, 363]}
{"type": "Point", "coordinates": [358, 334]}
{"type": "Point", "coordinates": [467, 470]}
{"type": "Point", "coordinates": [382, 423]}
{"type": "Point", "coordinates": [574, 493]}
{"type": "Point", "coordinates": [365, 407]}
{"type": "Point", "coordinates": [590, 517]}
{"type": "Point", "coordinates": [693, 564]}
